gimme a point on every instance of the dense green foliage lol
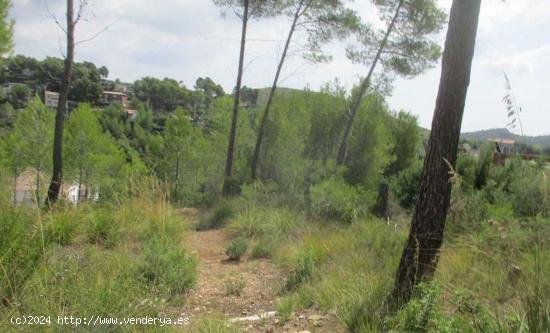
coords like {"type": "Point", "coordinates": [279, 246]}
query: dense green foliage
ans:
{"type": "Point", "coordinates": [29, 145]}
{"type": "Point", "coordinates": [236, 248]}
{"type": "Point", "coordinates": [39, 75]}
{"type": "Point", "coordinates": [120, 250]}
{"type": "Point", "coordinates": [6, 28]}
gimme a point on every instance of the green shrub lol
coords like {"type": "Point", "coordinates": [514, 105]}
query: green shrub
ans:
{"type": "Point", "coordinates": [259, 193]}
{"type": "Point", "coordinates": [262, 248]}
{"type": "Point", "coordinates": [234, 286]}
{"type": "Point", "coordinates": [503, 177]}
{"type": "Point", "coordinates": [285, 308]}
{"type": "Point", "coordinates": [266, 222]}
{"type": "Point", "coordinates": [406, 185]}
{"type": "Point", "coordinates": [250, 224]}
{"type": "Point", "coordinates": [103, 229]}
{"type": "Point", "coordinates": [271, 194]}
{"type": "Point", "coordinates": [218, 218]}
{"type": "Point", "coordinates": [468, 211]}
{"type": "Point", "coordinates": [334, 199]}
{"type": "Point", "coordinates": [530, 197]}
{"type": "Point", "coordinates": [167, 267]}
{"type": "Point", "coordinates": [304, 267]}
{"type": "Point", "coordinates": [149, 215]}
{"type": "Point", "coordinates": [21, 250]}
{"type": "Point", "coordinates": [466, 167]}
{"type": "Point", "coordinates": [500, 212]}
{"type": "Point", "coordinates": [424, 313]}
{"type": "Point", "coordinates": [472, 315]}
{"type": "Point", "coordinates": [61, 225]}
{"type": "Point", "coordinates": [236, 248]}
{"type": "Point", "coordinates": [483, 169]}
{"type": "Point", "coordinates": [419, 313]}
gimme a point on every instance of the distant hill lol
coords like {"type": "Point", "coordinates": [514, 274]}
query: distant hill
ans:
{"type": "Point", "coordinates": [263, 94]}
{"type": "Point", "coordinates": [502, 133]}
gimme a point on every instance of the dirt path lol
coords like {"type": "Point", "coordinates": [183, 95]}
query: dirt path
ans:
{"type": "Point", "coordinates": [239, 289]}
{"type": "Point", "coordinates": [219, 280]}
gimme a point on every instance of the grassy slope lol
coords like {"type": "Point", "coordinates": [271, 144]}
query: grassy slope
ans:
{"type": "Point", "coordinates": [486, 278]}
{"type": "Point", "coordinates": [121, 261]}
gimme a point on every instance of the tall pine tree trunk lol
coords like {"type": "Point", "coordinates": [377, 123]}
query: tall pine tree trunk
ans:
{"type": "Point", "coordinates": [228, 182]}
{"type": "Point", "coordinates": [358, 99]}
{"type": "Point", "coordinates": [261, 129]}
{"type": "Point", "coordinates": [420, 256]}
{"type": "Point", "coordinates": [57, 156]}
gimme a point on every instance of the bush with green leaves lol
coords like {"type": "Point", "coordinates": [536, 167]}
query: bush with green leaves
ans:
{"type": "Point", "coordinates": [303, 268]}
{"type": "Point", "coordinates": [102, 228]}
{"type": "Point", "coordinates": [484, 165]}
{"type": "Point", "coordinates": [466, 167]}
{"type": "Point", "coordinates": [425, 313]}
{"type": "Point", "coordinates": [468, 211]}
{"type": "Point", "coordinates": [406, 185]}
{"type": "Point", "coordinates": [371, 145]}
{"type": "Point", "coordinates": [262, 248]}
{"type": "Point", "coordinates": [62, 224]}
{"type": "Point", "coordinates": [530, 197]}
{"type": "Point", "coordinates": [272, 223]}
{"type": "Point", "coordinates": [270, 194]}
{"type": "Point", "coordinates": [92, 159]}
{"type": "Point", "coordinates": [334, 199]}
{"type": "Point", "coordinates": [418, 314]}
{"type": "Point", "coordinates": [266, 228]}
{"type": "Point", "coordinates": [167, 267]}
{"type": "Point", "coordinates": [236, 248]}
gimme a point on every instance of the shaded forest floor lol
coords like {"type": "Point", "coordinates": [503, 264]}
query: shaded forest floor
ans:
{"type": "Point", "coordinates": [245, 292]}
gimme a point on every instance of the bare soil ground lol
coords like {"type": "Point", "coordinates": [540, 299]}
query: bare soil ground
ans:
{"type": "Point", "coordinates": [261, 283]}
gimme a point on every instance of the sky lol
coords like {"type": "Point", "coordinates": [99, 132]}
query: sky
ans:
{"type": "Point", "coordinates": [187, 39]}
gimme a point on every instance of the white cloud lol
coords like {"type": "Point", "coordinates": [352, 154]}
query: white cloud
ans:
{"type": "Point", "coordinates": [530, 63]}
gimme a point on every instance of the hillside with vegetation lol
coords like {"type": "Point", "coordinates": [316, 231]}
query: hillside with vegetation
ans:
{"type": "Point", "coordinates": [542, 141]}
{"type": "Point", "coordinates": [192, 209]}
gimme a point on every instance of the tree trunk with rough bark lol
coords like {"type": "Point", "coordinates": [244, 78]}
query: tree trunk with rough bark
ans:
{"type": "Point", "coordinates": [228, 182]}
{"type": "Point", "coordinates": [356, 103]}
{"type": "Point", "coordinates": [57, 156]}
{"type": "Point", "coordinates": [261, 129]}
{"type": "Point", "coordinates": [420, 255]}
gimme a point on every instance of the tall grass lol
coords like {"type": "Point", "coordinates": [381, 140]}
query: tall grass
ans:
{"type": "Point", "coordinates": [219, 217]}
{"type": "Point", "coordinates": [124, 259]}
{"type": "Point", "coordinates": [21, 249]}
{"type": "Point", "coordinates": [487, 281]}
{"type": "Point", "coordinates": [267, 228]}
